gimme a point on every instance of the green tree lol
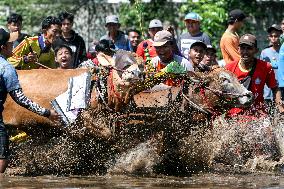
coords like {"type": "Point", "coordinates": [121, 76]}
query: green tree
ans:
{"type": "Point", "coordinates": [137, 13]}
{"type": "Point", "coordinates": [213, 14]}
{"type": "Point", "coordinates": [33, 11]}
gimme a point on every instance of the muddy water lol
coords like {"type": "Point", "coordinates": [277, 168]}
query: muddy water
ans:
{"type": "Point", "coordinates": [236, 154]}
{"type": "Point", "coordinates": [268, 180]}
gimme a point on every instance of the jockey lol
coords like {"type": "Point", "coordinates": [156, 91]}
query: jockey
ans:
{"type": "Point", "coordinates": [166, 59]}
{"type": "Point", "coordinates": [9, 83]}
{"type": "Point", "coordinates": [254, 74]}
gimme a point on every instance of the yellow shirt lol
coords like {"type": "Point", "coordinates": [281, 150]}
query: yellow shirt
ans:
{"type": "Point", "coordinates": [23, 49]}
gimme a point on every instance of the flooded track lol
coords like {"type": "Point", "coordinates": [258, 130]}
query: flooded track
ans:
{"type": "Point", "coordinates": [212, 181]}
{"type": "Point", "coordinates": [233, 155]}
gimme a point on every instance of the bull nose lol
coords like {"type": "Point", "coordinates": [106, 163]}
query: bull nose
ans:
{"type": "Point", "coordinates": [250, 96]}
{"type": "Point", "coordinates": [247, 99]}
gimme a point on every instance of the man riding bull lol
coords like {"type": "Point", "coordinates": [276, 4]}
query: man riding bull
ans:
{"type": "Point", "coordinates": [164, 45]}
{"type": "Point", "coordinates": [254, 74]}
{"type": "Point", "coordinates": [9, 83]}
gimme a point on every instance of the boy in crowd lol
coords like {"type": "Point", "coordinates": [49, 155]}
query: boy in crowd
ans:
{"type": "Point", "coordinates": [196, 55]}
{"type": "Point", "coordinates": [71, 38]}
{"type": "Point", "coordinates": [14, 24]}
{"type": "Point", "coordinates": [63, 57]}
{"type": "Point", "coordinates": [210, 57]}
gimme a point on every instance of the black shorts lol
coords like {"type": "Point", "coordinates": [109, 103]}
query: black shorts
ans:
{"type": "Point", "coordinates": [4, 142]}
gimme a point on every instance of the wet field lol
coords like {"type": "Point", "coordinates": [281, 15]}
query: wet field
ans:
{"type": "Point", "coordinates": [256, 180]}
{"type": "Point", "coordinates": [241, 156]}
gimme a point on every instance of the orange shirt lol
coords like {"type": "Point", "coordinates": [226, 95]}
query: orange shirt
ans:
{"type": "Point", "coordinates": [229, 46]}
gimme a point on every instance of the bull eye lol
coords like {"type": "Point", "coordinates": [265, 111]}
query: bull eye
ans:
{"type": "Point", "coordinates": [225, 80]}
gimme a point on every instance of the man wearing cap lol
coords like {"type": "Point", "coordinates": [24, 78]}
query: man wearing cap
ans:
{"type": "Point", "coordinates": [254, 74]}
{"type": "Point", "coordinates": [271, 55]}
{"type": "Point", "coordinates": [119, 39]}
{"type": "Point", "coordinates": [230, 39]}
{"type": "Point", "coordinates": [192, 23]}
{"type": "Point", "coordinates": [163, 43]}
{"type": "Point", "coordinates": [196, 54]}
{"type": "Point", "coordinates": [72, 39]}
{"type": "Point", "coordinates": [9, 83]}
{"type": "Point", "coordinates": [155, 25]}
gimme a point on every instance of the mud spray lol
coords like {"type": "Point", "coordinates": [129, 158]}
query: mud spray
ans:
{"type": "Point", "coordinates": [236, 145]}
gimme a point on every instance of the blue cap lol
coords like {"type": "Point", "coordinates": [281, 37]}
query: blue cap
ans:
{"type": "Point", "coordinates": [192, 16]}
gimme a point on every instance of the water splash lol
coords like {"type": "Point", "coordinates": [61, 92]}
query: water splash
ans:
{"type": "Point", "coordinates": [240, 145]}
{"type": "Point", "coordinates": [139, 160]}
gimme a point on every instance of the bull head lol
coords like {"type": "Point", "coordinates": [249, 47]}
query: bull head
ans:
{"type": "Point", "coordinates": [129, 66]}
{"type": "Point", "coordinates": [218, 89]}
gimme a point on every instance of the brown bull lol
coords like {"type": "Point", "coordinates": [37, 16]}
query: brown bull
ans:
{"type": "Point", "coordinates": [41, 86]}
{"type": "Point", "coordinates": [180, 134]}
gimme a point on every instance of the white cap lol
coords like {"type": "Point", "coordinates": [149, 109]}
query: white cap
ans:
{"type": "Point", "coordinates": [155, 24]}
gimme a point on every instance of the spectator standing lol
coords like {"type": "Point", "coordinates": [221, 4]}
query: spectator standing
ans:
{"type": "Point", "coordinates": [134, 39]}
{"type": "Point", "coordinates": [119, 38]}
{"type": "Point", "coordinates": [14, 24]}
{"type": "Point", "coordinates": [33, 51]}
{"type": "Point", "coordinates": [155, 26]}
{"type": "Point", "coordinates": [271, 55]}
{"type": "Point", "coordinates": [71, 38]}
{"type": "Point", "coordinates": [9, 83]}
{"type": "Point", "coordinates": [230, 39]}
{"type": "Point", "coordinates": [192, 23]}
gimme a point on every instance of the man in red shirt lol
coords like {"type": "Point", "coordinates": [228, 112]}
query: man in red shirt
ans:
{"type": "Point", "coordinates": [254, 74]}
{"type": "Point", "coordinates": [154, 26]}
